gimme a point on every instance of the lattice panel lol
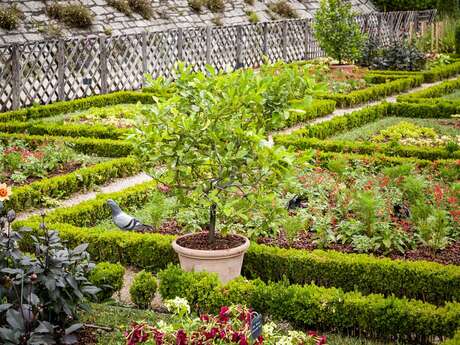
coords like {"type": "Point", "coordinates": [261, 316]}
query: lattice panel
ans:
{"type": "Point", "coordinates": [82, 68]}
{"type": "Point", "coordinates": [45, 71]}
{"type": "Point", "coordinates": [223, 54]}
{"type": "Point", "coordinates": [274, 41]}
{"type": "Point", "coordinates": [161, 53]}
{"type": "Point", "coordinates": [39, 73]}
{"type": "Point", "coordinates": [296, 40]}
{"type": "Point", "coordinates": [253, 45]}
{"type": "Point", "coordinates": [6, 77]}
{"type": "Point", "coordinates": [124, 62]}
{"type": "Point", "coordinates": [194, 48]}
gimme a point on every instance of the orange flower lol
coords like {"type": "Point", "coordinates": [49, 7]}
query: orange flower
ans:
{"type": "Point", "coordinates": [5, 192]}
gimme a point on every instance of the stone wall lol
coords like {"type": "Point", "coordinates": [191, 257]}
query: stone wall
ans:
{"type": "Point", "coordinates": [169, 14]}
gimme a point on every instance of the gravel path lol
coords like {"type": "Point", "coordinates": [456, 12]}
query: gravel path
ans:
{"type": "Point", "coordinates": [344, 111]}
{"type": "Point", "coordinates": [115, 186]}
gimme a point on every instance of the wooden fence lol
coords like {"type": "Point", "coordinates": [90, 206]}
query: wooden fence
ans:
{"type": "Point", "coordinates": [48, 71]}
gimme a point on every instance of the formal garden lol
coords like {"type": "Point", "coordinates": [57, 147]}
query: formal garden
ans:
{"type": "Point", "coordinates": [310, 202]}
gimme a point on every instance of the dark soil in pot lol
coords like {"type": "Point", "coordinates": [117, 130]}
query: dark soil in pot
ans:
{"type": "Point", "coordinates": [199, 241]}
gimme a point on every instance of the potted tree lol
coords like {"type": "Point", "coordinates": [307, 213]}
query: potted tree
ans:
{"type": "Point", "coordinates": [212, 153]}
{"type": "Point", "coordinates": [338, 34]}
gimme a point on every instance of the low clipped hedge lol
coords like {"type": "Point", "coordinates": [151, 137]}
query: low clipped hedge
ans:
{"type": "Point", "coordinates": [73, 130]}
{"type": "Point", "coordinates": [366, 148]}
{"type": "Point", "coordinates": [423, 280]}
{"type": "Point", "coordinates": [108, 277]}
{"type": "Point", "coordinates": [429, 76]}
{"type": "Point", "coordinates": [318, 108]}
{"type": "Point", "coordinates": [439, 90]}
{"type": "Point", "coordinates": [454, 341]}
{"type": "Point", "coordinates": [310, 306]}
{"type": "Point", "coordinates": [375, 92]}
{"type": "Point", "coordinates": [315, 136]}
{"type": "Point", "coordinates": [57, 108]}
{"type": "Point", "coordinates": [31, 195]}
{"type": "Point", "coordinates": [90, 146]}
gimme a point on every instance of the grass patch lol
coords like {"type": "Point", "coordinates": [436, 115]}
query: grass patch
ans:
{"type": "Point", "coordinates": [454, 96]}
{"type": "Point", "coordinates": [366, 132]}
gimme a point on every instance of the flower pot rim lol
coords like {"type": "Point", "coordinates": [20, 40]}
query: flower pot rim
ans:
{"type": "Point", "coordinates": [210, 253]}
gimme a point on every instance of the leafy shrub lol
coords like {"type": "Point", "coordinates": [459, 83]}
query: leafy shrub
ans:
{"type": "Point", "coordinates": [74, 15]}
{"type": "Point", "coordinates": [250, 2]}
{"type": "Point", "coordinates": [10, 17]}
{"type": "Point", "coordinates": [337, 31]}
{"type": "Point", "coordinates": [283, 9]}
{"type": "Point", "coordinates": [41, 294]}
{"type": "Point", "coordinates": [143, 7]}
{"type": "Point", "coordinates": [143, 289]}
{"type": "Point", "coordinates": [121, 5]}
{"type": "Point", "coordinates": [217, 20]}
{"type": "Point", "coordinates": [400, 56]}
{"type": "Point", "coordinates": [108, 277]}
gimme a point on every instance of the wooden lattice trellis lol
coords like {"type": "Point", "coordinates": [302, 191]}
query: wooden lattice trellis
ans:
{"type": "Point", "coordinates": [47, 71]}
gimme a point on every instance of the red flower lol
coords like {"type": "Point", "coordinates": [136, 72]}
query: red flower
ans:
{"type": "Point", "coordinates": [438, 194]}
{"type": "Point", "coordinates": [452, 200]}
{"type": "Point", "coordinates": [312, 334]}
{"type": "Point", "coordinates": [321, 340]}
{"type": "Point", "coordinates": [181, 337]}
{"type": "Point", "coordinates": [224, 314]}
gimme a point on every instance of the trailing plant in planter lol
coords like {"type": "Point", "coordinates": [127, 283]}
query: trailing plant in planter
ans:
{"type": "Point", "coordinates": [337, 31]}
{"type": "Point", "coordinates": [213, 152]}
{"type": "Point", "coordinates": [41, 293]}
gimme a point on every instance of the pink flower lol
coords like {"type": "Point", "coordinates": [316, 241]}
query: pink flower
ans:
{"type": "Point", "coordinates": [321, 340]}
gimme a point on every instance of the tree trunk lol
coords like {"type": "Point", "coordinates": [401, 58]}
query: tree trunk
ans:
{"type": "Point", "coordinates": [212, 223]}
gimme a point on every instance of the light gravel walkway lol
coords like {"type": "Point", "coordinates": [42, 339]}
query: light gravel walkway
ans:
{"type": "Point", "coordinates": [344, 111]}
{"type": "Point", "coordinates": [115, 186]}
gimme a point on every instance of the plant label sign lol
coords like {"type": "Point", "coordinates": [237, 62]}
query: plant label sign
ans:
{"type": "Point", "coordinates": [256, 326]}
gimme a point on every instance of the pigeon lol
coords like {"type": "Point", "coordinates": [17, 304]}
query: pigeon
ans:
{"type": "Point", "coordinates": [125, 221]}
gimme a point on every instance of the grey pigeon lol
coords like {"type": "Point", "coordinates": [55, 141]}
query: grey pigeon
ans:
{"type": "Point", "coordinates": [126, 222]}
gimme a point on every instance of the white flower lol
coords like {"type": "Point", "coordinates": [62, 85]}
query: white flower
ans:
{"type": "Point", "coordinates": [178, 306]}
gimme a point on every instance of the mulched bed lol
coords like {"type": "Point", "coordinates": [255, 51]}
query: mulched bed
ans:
{"type": "Point", "coordinates": [64, 169]}
{"type": "Point", "coordinates": [451, 123]}
{"type": "Point", "coordinates": [450, 255]}
{"type": "Point", "coordinates": [87, 336]}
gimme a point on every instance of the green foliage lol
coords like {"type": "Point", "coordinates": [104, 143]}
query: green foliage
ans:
{"type": "Point", "coordinates": [10, 16]}
{"type": "Point", "coordinates": [444, 6]}
{"type": "Point", "coordinates": [142, 7]}
{"type": "Point", "coordinates": [32, 195]}
{"type": "Point", "coordinates": [41, 294]}
{"type": "Point", "coordinates": [457, 38]}
{"type": "Point", "coordinates": [121, 5]}
{"type": "Point", "coordinates": [72, 14]}
{"type": "Point", "coordinates": [318, 307]}
{"type": "Point", "coordinates": [214, 151]}
{"type": "Point", "coordinates": [107, 277]}
{"type": "Point", "coordinates": [215, 5]}
{"type": "Point", "coordinates": [252, 17]}
{"type": "Point", "coordinates": [337, 32]}
{"type": "Point", "coordinates": [283, 9]}
{"type": "Point", "coordinates": [197, 6]}
{"type": "Point", "coordinates": [374, 92]}
{"type": "Point", "coordinates": [40, 111]}
{"type": "Point", "coordinates": [143, 289]}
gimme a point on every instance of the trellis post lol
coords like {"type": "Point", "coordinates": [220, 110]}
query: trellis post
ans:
{"type": "Point", "coordinates": [180, 44]}
{"type": "Point", "coordinates": [307, 40]}
{"type": "Point", "coordinates": [239, 40]}
{"type": "Point", "coordinates": [61, 69]}
{"type": "Point", "coordinates": [103, 64]}
{"type": "Point", "coordinates": [379, 32]}
{"type": "Point", "coordinates": [208, 44]}
{"type": "Point", "coordinates": [16, 76]}
{"type": "Point", "coordinates": [284, 40]}
{"type": "Point", "coordinates": [144, 55]}
{"type": "Point", "coordinates": [265, 39]}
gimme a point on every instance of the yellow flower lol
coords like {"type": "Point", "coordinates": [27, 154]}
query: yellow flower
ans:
{"type": "Point", "coordinates": [5, 192]}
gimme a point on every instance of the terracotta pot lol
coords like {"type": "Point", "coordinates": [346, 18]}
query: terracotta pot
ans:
{"type": "Point", "coordinates": [226, 263]}
{"type": "Point", "coordinates": [343, 68]}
